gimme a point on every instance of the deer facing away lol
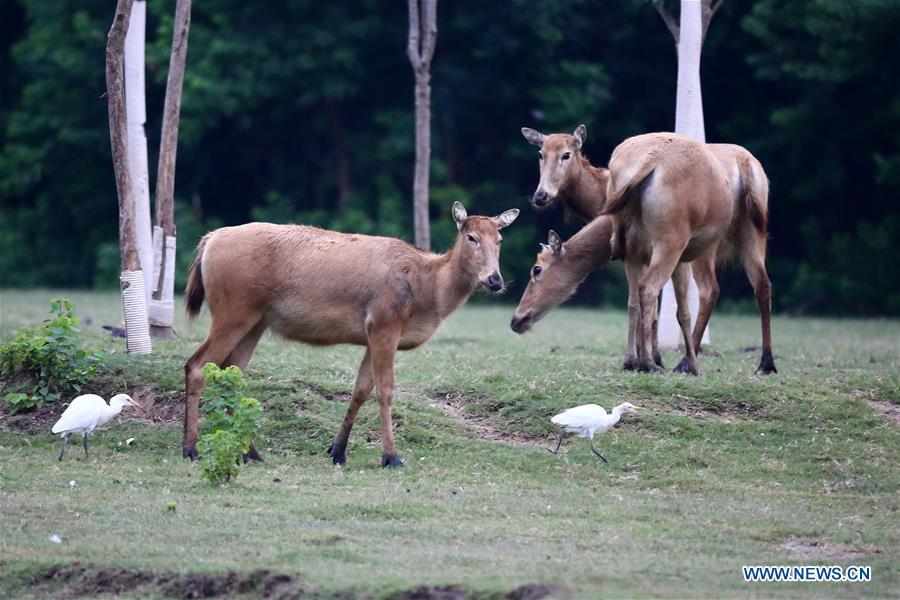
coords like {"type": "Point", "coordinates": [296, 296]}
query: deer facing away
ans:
{"type": "Point", "coordinates": [322, 288]}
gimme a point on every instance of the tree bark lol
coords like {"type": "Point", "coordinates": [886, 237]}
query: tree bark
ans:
{"type": "Point", "coordinates": [162, 307]}
{"type": "Point", "coordinates": [118, 134]}
{"type": "Point", "coordinates": [137, 334]}
{"type": "Point", "coordinates": [420, 49]}
{"type": "Point", "coordinates": [344, 172]}
{"type": "Point", "coordinates": [136, 118]}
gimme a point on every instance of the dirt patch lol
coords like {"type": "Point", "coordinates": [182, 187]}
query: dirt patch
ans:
{"type": "Point", "coordinates": [454, 405]}
{"type": "Point", "coordinates": [37, 421]}
{"type": "Point", "coordinates": [891, 411]}
{"type": "Point", "coordinates": [160, 409]}
{"type": "Point", "coordinates": [322, 392]}
{"type": "Point", "coordinates": [535, 591]}
{"type": "Point", "coordinates": [426, 592]}
{"type": "Point", "coordinates": [812, 548]}
{"type": "Point", "coordinates": [79, 581]}
{"type": "Point", "coordinates": [723, 410]}
{"type": "Point", "coordinates": [888, 409]}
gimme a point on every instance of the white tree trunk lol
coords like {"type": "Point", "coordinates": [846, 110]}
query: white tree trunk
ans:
{"type": "Point", "coordinates": [688, 122]}
{"type": "Point", "coordinates": [136, 117]}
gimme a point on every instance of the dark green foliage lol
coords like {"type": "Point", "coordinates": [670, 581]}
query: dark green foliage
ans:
{"type": "Point", "coordinates": [302, 112]}
{"type": "Point", "coordinates": [39, 365]}
{"type": "Point", "coordinates": [232, 420]}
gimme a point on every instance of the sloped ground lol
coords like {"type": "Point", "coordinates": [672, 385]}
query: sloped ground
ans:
{"type": "Point", "coordinates": [718, 471]}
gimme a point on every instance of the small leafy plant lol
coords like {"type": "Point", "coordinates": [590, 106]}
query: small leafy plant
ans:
{"type": "Point", "coordinates": [39, 365]}
{"type": "Point", "coordinates": [232, 420]}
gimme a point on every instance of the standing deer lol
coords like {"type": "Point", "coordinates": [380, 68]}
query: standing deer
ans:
{"type": "Point", "coordinates": [668, 201]}
{"type": "Point", "coordinates": [322, 288]}
{"type": "Point", "coordinates": [568, 176]}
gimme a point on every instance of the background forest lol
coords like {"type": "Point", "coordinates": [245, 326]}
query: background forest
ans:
{"type": "Point", "coordinates": [301, 110]}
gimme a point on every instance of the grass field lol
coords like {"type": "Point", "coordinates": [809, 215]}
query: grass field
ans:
{"type": "Point", "coordinates": [719, 471]}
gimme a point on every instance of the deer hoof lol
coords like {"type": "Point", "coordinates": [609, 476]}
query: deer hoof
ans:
{"type": "Point", "coordinates": [252, 454]}
{"type": "Point", "coordinates": [647, 366]}
{"type": "Point", "coordinates": [189, 452]}
{"type": "Point", "coordinates": [686, 366]}
{"type": "Point", "coordinates": [657, 358]}
{"type": "Point", "coordinates": [391, 460]}
{"type": "Point", "coordinates": [767, 364]}
{"type": "Point", "coordinates": [338, 454]}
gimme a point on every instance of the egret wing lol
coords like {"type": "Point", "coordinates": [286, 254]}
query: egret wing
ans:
{"type": "Point", "coordinates": [579, 416]}
{"type": "Point", "coordinates": [80, 413]}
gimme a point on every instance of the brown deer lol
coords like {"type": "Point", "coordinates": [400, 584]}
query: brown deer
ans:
{"type": "Point", "coordinates": [322, 288]}
{"type": "Point", "coordinates": [672, 201]}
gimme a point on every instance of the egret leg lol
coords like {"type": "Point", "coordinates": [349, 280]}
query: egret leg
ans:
{"type": "Point", "coordinates": [558, 443]}
{"type": "Point", "coordinates": [84, 438]}
{"type": "Point", "coordinates": [594, 450]}
{"type": "Point", "coordinates": [65, 443]}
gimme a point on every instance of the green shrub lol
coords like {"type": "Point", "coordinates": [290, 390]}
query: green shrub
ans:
{"type": "Point", "coordinates": [232, 420]}
{"type": "Point", "coordinates": [41, 364]}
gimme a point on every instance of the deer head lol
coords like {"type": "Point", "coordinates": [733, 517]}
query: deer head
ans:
{"type": "Point", "coordinates": [479, 245]}
{"type": "Point", "coordinates": [554, 277]}
{"type": "Point", "coordinates": [558, 162]}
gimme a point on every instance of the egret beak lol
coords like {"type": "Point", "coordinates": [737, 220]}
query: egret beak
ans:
{"type": "Point", "coordinates": [138, 404]}
{"type": "Point", "coordinates": [638, 407]}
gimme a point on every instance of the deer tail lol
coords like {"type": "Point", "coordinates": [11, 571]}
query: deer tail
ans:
{"type": "Point", "coordinates": [619, 193]}
{"type": "Point", "coordinates": [755, 192]}
{"type": "Point", "coordinates": [195, 294]}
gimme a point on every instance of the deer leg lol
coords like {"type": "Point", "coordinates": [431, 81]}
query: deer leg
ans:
{"type": "Point", "coordinates": [240, 357]}
{"type": "Point", "coordinates": [657, 357]}
{"type": "Point", "coordinates": [383, 345]}
{"type": "Point", "coordinates": [223, 338]}
{"type": "Point", "coordinates": [753, 255]}
{"type": "Point", "coordinates": [365, 381]}
{"type": "Point", "coordinates": [65, 443]}
{"type": "Point", "coordinates": [704, 271]}
{"type": "Point", "coordinates": [681, 279]}
{"type": "Point", "coordinates": [663, 261]}
{"type": "Point", "coordinates": [633, 270]}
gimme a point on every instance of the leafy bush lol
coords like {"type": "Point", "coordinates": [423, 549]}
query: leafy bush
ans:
{"type": "Point", "coordinates": [39, 365]}
{"type": "Point", "coordinates": [232, 420]}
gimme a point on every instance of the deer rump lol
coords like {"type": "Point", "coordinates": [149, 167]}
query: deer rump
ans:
{"type": "Point", "coordinates": [306, 284]}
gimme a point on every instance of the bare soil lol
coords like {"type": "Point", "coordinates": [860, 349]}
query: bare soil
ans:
{"type": "Point", "coordinates": [813, 548]}
{"type": "Point", "coordinates": [454, 405]}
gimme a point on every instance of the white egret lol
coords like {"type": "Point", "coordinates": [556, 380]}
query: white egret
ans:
{"type": "Point", "coordinates": [589, 419]}
{"type": "Point", "coordinates": [87, 412]}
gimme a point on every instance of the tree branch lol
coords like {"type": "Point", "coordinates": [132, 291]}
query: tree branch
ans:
{"type": "Point", "coordinates": [429, 30]}
{"type": "Point", "coordinates": [709, 13]}
{"type": "Point", "coordinates": [668, 19]}
{"type": "Point", "coordinates": [412, 46]}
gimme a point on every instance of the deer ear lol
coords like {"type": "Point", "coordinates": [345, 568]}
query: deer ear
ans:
{"type": "Point", "coordinates": [459, 214]}
{"type": "Point", "coordinates": [533, 136]}
{"type": "Point", "coordinates": [555, 243]}
{"type": "Point", "coordinates": [506, 219]}
{"type": "Point", "coordinates": [580, 135]}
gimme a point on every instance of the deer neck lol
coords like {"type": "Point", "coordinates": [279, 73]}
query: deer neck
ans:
{"type": "Point", "coordinates": [586, 195]}
{"type": "Point", "coordinates": [591, 247]}
{"type": "Point", "coordinates": [454, 283]}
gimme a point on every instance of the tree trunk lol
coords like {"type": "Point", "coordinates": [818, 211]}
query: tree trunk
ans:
{"type": "Point", "coordinates": [137, 340]}
{"type": "Point", "coordinates": [688, 122]}
{"type": "Point", "coordinates": [421, 223]}
{"type": "Point", "coordinates": [162, 307]}
{"type": "Point", "coordinates": [136, 118]}
{"type": "Point", "coordinates": [344, 178]}
{"type": "Point", "coordinates": [420, 49]}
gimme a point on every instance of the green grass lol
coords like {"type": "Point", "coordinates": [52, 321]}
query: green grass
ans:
{"type": "Point", "coordinates": [719, 471]}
